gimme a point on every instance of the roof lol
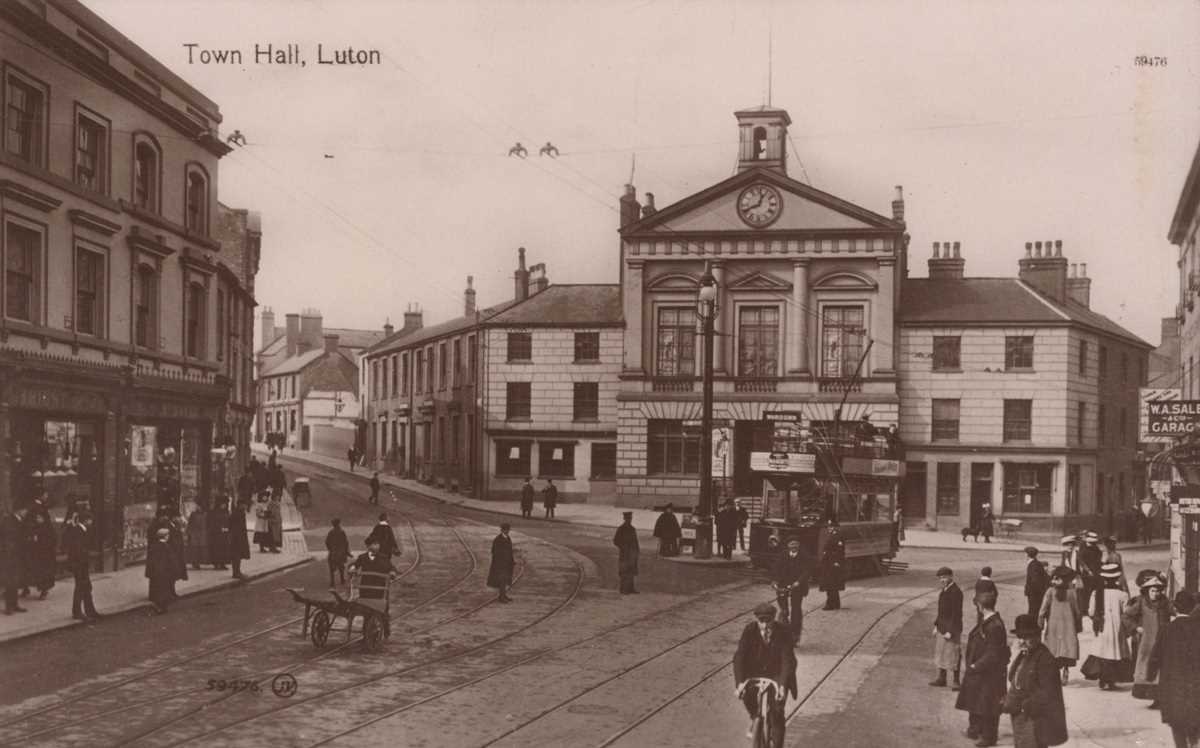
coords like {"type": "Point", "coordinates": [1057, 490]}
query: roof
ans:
{"type": "Point", "coordinates": [996, 300]}
{"type": "Point", "coordinates": [295, 363]}
{"type": "Point", "coordinates": [354, 338]}
{"type": "Point", "coordinates": [566, 305]}
{"type": "Point", "coordinates": [406, 338]}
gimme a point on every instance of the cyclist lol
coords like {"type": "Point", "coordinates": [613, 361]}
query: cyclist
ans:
{"type": "Point", "coordinates": [791, 575]}
{"type": "Point", "coordinates": [765, 651]}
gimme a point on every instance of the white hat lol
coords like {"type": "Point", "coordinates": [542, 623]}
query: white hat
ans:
{"type": "Point", "coordinates": [1069, 539]}
{"type": "Point", "coordinates": [1110, 571]}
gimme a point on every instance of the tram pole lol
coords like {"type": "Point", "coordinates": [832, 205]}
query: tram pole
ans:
{"type": "Point", "coordinates": [707, 309]}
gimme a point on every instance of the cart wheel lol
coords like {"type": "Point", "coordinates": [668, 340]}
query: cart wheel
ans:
{"type": "Point", "coordinates": [321, 624]}
{"type": "Point", "coordinates": [372, 634]}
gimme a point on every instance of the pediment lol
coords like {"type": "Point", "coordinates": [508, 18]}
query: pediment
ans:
{"type": "Point", "coordinates": [844, 281]}
{"type": "Point", "coordinates": [803, 209]}
{"type": "Point", "coordinates": [757, 281]}
{"type": "Point", "coordinates": [674, 282]}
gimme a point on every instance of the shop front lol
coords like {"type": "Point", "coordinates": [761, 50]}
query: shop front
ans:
{"type": "Point", "coordinates": [169, 466]}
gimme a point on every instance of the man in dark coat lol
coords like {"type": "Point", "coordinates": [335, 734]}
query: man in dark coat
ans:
{"type": "Point", "coordinates": [218, 533]}
{"type": "Point", "coordinates": [12, 558]}
{"type": "Point", "coordinates": [500, 573]}
{"type": "Point", "coordinates": [983, 682]}
{"type": "Point", "coordinates": [239, 543]}
{"type": "Point", "coordinates": [668, 532]}
{"type": "Point", "coordinates": [1090, 559]}
{"type": "Point", "coordinates": [77, 545]}
{"type": "Point", "coordinates": [1037, 581]}
{"type": "Point", "coordinates": [765, 651]}
{"type": "Point", "coordinates": [350, 455]}
{"type": "Point", "coordinates": [382, 533]}
{"type": "Point", "coordinates": [832, 574]}
{"type": "Point", "coordinates": [527, 498]}
{"type": "Point", "coordinates": [161, 569]}
{"type": "Point", "coordinates": [550, 498]}
{"type": "Point", "coordinates": [1035, 700]}
{"type": "Point", "coordinates": [1178, 676]}
{"type": "Point", "coordinates": [984, 584]}
{"type": "Point", "coordinates": [727, 524]}
{"type": "Point", "coordinates": [987, 526]}
{"type": "Point", "coordinates": [743, 522]}
{"type": "Point", "coordinates": [791, 575]}
{"type": "Point", "coordinates": [947, 628]}
{"type": "Point", "coordinates": [373, 560]}
{"type": "Point", "coordinates": [374, 489]}
{"type": "Point", "coordinates": [338, 546]}
{"type": "Point", "coordinates": [626, 541]}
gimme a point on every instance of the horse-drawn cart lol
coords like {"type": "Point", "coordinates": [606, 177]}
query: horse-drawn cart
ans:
{"type": "Point", "coordinates": [370, 594]}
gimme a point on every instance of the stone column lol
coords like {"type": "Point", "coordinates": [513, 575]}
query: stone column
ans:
{"type": "Point", "coordinates": [798, 313]}
{"type": "Point", "coordinates": [883, 327]}
{"type": "Point", "coordinates": [724, 312]}
{"type": "Point", "coordinates": [634, 299]}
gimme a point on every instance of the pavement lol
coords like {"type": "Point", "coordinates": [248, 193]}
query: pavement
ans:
{"type": "Point", "coordinates": [127, 589]}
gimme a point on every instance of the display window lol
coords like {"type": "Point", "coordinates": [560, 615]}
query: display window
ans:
{"type": "Point", "coordinates": [59, 457]}
{"type": "Point", "coordinates": [165, 470]}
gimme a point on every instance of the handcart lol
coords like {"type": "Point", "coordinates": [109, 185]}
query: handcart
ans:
{"type": "Point", "coordinates": [370, 598]}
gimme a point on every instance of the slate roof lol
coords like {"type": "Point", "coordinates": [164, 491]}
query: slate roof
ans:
{"type": "Point", "coordinates": [404, 338]}
{"type": "Point", "coordinates": [354, 338]}
{"type": "Point", "coordinates": [566, 305]}
{"type": "Point", "coordinates": [996, 300]}
{"type": "Point", "coordinates": [296, 363]}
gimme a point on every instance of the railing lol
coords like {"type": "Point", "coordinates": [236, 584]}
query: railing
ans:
{"type": "Point", "coordinates": [673, 384]}
{"type": "Point", "coordinates": [839, 384]}
{"type": "Point", "coordinates": [755, 385]}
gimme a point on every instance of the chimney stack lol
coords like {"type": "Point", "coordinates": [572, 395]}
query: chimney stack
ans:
{"type": "Point", "coordinates": [538, 281]}
{"type": "Point", "coordinates": [310, 330]}
{"type": "Point", "coordinates": [469, 297]}
{"type": "Point", "coordinates": [1079, 286]}
{"type": "Point", "coordinates": [898, 204]}
{"type": "Point", "coordinates": [629, 206]}
{"type": "Point", "coordinates": [268, 327]}
{"type": "Point", "coordinates": [948, 266]}
{"type": "Point", "coordinates": [413, 318]}
{"type": "Point", "coordinates": [293, 334]}
{"type": "Point", "coordinates": [521, 277]}
{"type": "Point", "coordinates": [1045, 271]}
{"type": "Point", "coordinates": [331, 343]}
{"type": "Point", "coordinates": [648, 209]}
{"type": "Point", "coordinates": [387, 328]}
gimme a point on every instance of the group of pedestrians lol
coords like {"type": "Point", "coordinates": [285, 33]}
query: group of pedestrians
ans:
{"type": "Point", "coordinates": [28, 548]}
{"type": "Point", "coordinates": [549, 498]}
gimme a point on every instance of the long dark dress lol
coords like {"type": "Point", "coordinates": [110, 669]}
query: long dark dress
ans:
{"type": "Point", "coordinates": [668, 532]}
{"type": "Point", "coordinates": [161, 571]}
{"type": "Point", "coordinates": [626, 541]}
{"type": "Point", "coordinates": [40, 548]}
{"type": "Point", "coordinates": [500, 573]}
{"type": "Point", "coordinates": [197, 539]}
{"type": "Point", "coordinates": [239, 543]}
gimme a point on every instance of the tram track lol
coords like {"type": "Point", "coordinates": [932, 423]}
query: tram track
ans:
{"type": "Point", "coordinates": [259, 677]}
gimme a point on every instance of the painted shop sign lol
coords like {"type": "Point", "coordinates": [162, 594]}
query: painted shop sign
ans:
{"type": "Point", "coordinates": [1172, 417]}
{"type": "Point", "coordinates": [1158, 396]}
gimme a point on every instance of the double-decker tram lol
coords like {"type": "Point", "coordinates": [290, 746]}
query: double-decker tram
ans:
{"type": "Point", "coordinates": [815, 475]}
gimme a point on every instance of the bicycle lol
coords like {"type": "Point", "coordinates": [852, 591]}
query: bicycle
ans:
{"type": "Point", "coordinates": [768, 728]}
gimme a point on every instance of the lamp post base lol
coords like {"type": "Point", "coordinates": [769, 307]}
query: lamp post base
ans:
{"type": "Point", "coordinates": [704, 536]}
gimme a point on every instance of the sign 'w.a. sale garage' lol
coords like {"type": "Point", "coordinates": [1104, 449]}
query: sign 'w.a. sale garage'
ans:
{"type": "Point", "coordinates": [1172, 418]}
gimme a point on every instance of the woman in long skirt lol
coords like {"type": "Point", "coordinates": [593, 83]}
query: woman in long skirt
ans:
{"type": "Point", "coordinates": [160, 570]}
{"type": "Point", "coordinates": [1110, 654]}
{"type": "Point", "coordinates": [1061, 621]}
{"type": "Point", "coordinates": [197, 538]}
{"type": "Point", "coordinates": [1147, 614]}
{"type": "Point", "coordinates": [275, 524]}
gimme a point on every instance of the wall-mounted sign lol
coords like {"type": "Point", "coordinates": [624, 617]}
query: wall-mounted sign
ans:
{"type": "Point", "coordinates": [783, 462]}
{"type": "Point", "coordinates": [1156, 428]}
{"type": "Point", "coordinates": [866, 466]}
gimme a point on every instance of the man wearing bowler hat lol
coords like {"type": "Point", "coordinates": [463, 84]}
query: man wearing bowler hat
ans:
{"type": "Point", "coordinates": [626, 541]}
{"type": "Point", "coordinates": [1035, 699]}
{"type": "Point", "coordinates": [765, 651]}
{"type": "Point", "coordinates": [1090, 559]}
{"type": "Point", "coordinates": [985, 664]}
{"type": "Point", "coordinates": [947, 629]}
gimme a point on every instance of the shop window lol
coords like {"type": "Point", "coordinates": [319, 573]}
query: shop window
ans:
{"type": "Point", "coordinates": [758, 341]}
{"type": "Point", "coordinates": [675, 342]}
{"type": "Point", "coordinates": [946, 353]}
{"type": "Point", "coordinates": [89, 292]}
{"type": "Point", "coordinates": [520, 346]}
{"type": "Point", "coordinates": [556, 459]}
{"type": "Point", "coordinates": [604, 461]}
{"type": "Point", "coordinates": [194, 326]}
{"type": "Point", "coordinates": [517, 401]}
{"type": "Point", "coordinates": [947, 488]}
{"type": "Point", "coordinates": [945, 420]}
{"type": "Point", "coordinates": [1018, 420]}
{"type": "Point", "coordinates": [146, 308]}
{"type": "Point", "coordinates": [587, 401]}
{"type": "Point", "coordinates": [1027, 488]}
{"type": "Point", "coordinates": [842, 335]}
{"type": "Point", "coordinates": [145, 177]}
{"type": "Point", "coordinates": [91, 154]}
{"type": "Point", "coordinates": [196, 202]}
{"type": "Point", "coordinates": [1018, 352]}
{"type": "Point", "coordinates": [22, 273]}
{"type": "Point", "coordinates": [671, 449]}
{"type": "Point", "coordinates": [512, 459]}
{"type": "Point", "coordinates": [587, 347]}
{"type": "Point", "coordinates": [25, 120]}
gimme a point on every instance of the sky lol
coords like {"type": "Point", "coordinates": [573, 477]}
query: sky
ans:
{"type": "Point", "coordinates": [1005, 123]}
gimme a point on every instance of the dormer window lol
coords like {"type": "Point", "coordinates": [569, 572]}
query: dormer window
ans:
{"type": "Point", "coordinates": [196, 202]}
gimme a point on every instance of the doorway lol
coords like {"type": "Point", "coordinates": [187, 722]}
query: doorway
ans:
{"type": "Point", "coordinates": [981, 490]}
{"type": "Point", "coordinates": [912, 499]}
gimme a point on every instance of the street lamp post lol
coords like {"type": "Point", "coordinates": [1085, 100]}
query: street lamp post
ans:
{"type": "Point", "coordinates": [706, 307]}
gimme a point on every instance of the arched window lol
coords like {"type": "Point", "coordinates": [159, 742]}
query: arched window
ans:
{"type": "Point", "coordinates": [145, 176]}
{"type": "Point", "coordinates": [196, 203]}
{"type": "Point", "coordinates": [760, 143]}
{"type": "Point", "coordinates": [145, 319]}
{"type": "Point", "coordinates": [194, 326]}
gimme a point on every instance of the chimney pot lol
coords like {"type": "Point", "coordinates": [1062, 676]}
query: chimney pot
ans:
{"type": "Point", "coordinates": [648, 209]}
{"type": "Point", "coordinates": [1037, 249]}
{"type": "Point", "coordinates": [937, 248]}
{"type": "Point", "coordinates": [1073, 267]}
{"type": "Point", "coordinates": [956, 255]}
{"type": "Point", "coordinates": [899, 192]}
{"type": "Point", "coordinates": [1029, 249]}
{"type": "Point", "coordinates": [898, 204]}
{"type": "Point", "coordinates": [1083, 270]}
{"type": "Point", "coordinates": [1058, 247]}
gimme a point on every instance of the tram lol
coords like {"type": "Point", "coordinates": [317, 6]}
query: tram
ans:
{"type": "Point", "coordinates": [816, 475]}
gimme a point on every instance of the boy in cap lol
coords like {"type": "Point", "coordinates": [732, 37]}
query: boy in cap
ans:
{"type": "Point", "coordinates": [626, 541]}
{"type": "Point", "coordinates": [947, 629]}
{"type": "Point", "coordinates": [765, 651]}
{"type": "Point", "coordinates": [1037, 581]}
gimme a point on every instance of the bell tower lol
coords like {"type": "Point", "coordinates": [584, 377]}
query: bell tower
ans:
{"type": "Point", "coordinates": [762, 139]}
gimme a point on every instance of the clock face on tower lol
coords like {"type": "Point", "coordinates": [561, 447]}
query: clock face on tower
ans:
{"type": "Point", "coordinates": [759, 205]}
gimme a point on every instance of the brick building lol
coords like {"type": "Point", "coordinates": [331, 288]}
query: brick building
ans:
{"type": "Point", "coordinates": [1015, 394]}
{"type": "Point", "coordinates": [550, 373]}
{"type": "Point", "coordinates": [112, 382]}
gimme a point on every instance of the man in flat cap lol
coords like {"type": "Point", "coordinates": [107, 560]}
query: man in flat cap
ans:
{"type": "Point", "coordinates": [947, 629]}
{"type": "Point", "coordinates": [626, 541]}
{"type": "Point", "coordinates": [1037, 581]}
{"type": "Point", "coordinates": [1090, 559]}
{"type": "Point", "coordinates": [765, 651]}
